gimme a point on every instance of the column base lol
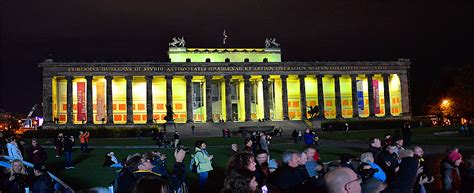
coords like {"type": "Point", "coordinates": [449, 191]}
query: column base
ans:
{"type": "Point", "coordinates": [248, 120]}
{"type": "Point", "coordinates": [110, 122]}
{"type": "Point", "coordinates": [189, 121]}
{"type": "Point", "coordinates": [129, 123]}
{"type": "Point", "coordinates": [286, 118]}
{"type": "Point", "coordinates": [209, 121]}
{"type": "Point", "coordinates": [149, 121]}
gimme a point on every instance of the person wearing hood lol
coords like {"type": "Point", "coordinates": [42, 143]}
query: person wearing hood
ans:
{"type": "Point", "coordinates": [450, 171]}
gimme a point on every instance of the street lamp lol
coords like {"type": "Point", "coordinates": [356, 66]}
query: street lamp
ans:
{"type": "Point", "coordinates": [445, 103]}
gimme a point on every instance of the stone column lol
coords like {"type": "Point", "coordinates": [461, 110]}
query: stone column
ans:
{"type": "Point", "coordinates": [302, 96]}
{"type": "Point", "coordinates": [320, 95]}
{"type": "Point", "coordinates": [129, 99]}
{"type": "Point", "coordinates": [248, 113]}
{"type": "Point", "coordinates": [169, 91]}
{"type": "Point", "coordinates": [47, 99]}
{"type": "Point", "coordinates": [189, 99]}
{"type": "Point", "coordinates": [70, 119]}
{"type": "Point", "coordinates": [355, 102]}
{"type": "Point", "coordinates": [371, 95]}
{"type": "Point", "coordinates": [386, 90]}
{"type": "Point", "coordinates": [266, 97]}
{"type": "Point", "coordinates": [228, 98]}
{"type": "Point", "coordinates": [284, 93]}
{"type": "Point", "coordinates": [110, 109]}
{"type": "Point", "coordinates": [208, 99]}
{"type": "Point", "coordinates": [405, 88]}
{"type": "Point", "coordinates": [337, 89]}
{"type": "Point", "coordinates": [89, 101]}
{"type": "Point", "coordinates": [149, 99]}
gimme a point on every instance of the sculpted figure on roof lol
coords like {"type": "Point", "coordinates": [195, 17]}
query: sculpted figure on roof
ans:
{"type": "Point", "coordinates": [177, 42]}
{"type": "Point", "coordinates": [271, 42]}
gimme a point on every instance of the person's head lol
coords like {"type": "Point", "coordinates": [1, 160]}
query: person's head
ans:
{"type": "Point", "coordinates": [418, 151]}
{"type": "Point", "coordinates": [81, 132]}
{"type": "Point", "coordinates": [375, 142]}
{"type": "Point", "coordinates": [366, 157]}
{"type": "Point", "coordinates": [342, 180]}
{"type": "Point", "coordinates": [388, 136]}
{"type": "Point", "coordinates": [242, 160]}
{"type": "Point", "coordinates": [391, 149]}
{"type": "Point", "coordinates": [139, 162]}
{"type": "Point", "coordinates": [248, 142]}
{"type": "Point", "coordinates": [399, 142]}
{"type": "Point", "coordinates": [110, 154]}
{"type": "Point", "coordinates": [39, 169]}
{"type": "Point", "coordinates": [346, 158]}
{"type": "Point", "coordinates": [240, 181]}
{"type": "Point", "coordinates": [150, 182]}
{"type": "Point", "coordinates": [405, 153]}
{"type": "Point", "coordinates": [451, 149]}
{"type": "Point", "coordinates": [200, 144]}
{"type": "Point", "coordinates": [17, 167]}
{"type": "Point", "coordinates": [291, 158]}
{"type": "Point", "coordinates": [12, 139]}
{"type": "Point", "coordinates": [60, 135]}
{"type": "Point", "coordinates": [372, 185]}
{"type": "Point", "coordinates": [34, 142]}
{"type": "Point", "coordinates": [262, 156]}
{"type": "Point", "coordinates": [455, 158]}
{"type": "Point", "coordinates": [310, 151]}
{"type": "Point", "coordinates": [234, 147]}
{"type": "Point", "coordinates": [307, 131]}
{"type": "Point", "coordinates": [303, 158]}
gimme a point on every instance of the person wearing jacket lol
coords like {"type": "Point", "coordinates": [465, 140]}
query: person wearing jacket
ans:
{"type": "Point", "coordinates": [42, 182]}
{"type": "Point", "coordinates": [450, 171]}
{"type": "Point", "coordinates": [68, 144]}
{"type": "Point", "coordinates": [203, 159]}
{"type": "Point", "coordinates": [308, 138]}
{"type": "Point", "coordinates": [13, 150]}
{"type": "Point", "coordinates": [36, 153]}
{"type": "Point", "coordinates": [406, 176]}
{"type": "Point", "coordinates": [84, 139]}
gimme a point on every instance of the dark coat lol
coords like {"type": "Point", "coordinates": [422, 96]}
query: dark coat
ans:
{"type": "Point", "coordinates": [406, 176]}
{"type": "Point", "coordinates": [38, 157]}
{"type": "Point", "coordinates": [68, 144]}
{"type": "Point", "coordinates": [288, 179]}
{"type": "Point", "coordinates": [42, 184]}
{"type": "Point", "coordinates": [450, 175]}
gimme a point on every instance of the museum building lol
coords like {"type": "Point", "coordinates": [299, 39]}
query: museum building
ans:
{"type": "Point", "coordinates": [222, 84]}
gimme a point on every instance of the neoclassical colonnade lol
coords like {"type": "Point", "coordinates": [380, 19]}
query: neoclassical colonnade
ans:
{"type": "Point", "coordinates": [205, 98]}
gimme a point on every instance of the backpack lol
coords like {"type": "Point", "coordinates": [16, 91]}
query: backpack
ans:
{"type": "Point", "coordinates": [194, 164]}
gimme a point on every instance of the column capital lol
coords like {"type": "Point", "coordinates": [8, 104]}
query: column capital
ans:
{"type": "Point", "coordinates": [227, 77]}
{"type": "Point", "coordinates": [208, 77]}
{"type": "Point", "coordinates": [265, 77]}
{"type": "Point", "coordinates": [336, 75]}
{"type": "Point", "coordinates": [354, 75]}
{"type": "Point", "coordinates": [386, 75]}
{"type": "Point", "coordinates": [148, 77]}
{"type": "Point", "coordinates": [109, 77]}
{"type": "Point", "coordinates": [69, 78]}
{"type": "Point", "coordinates": [319, 76]}
{"type": "Point", "coordinates": [302, 76]}
{"type": "Point", "coordinates": [369, 75]}
{"type": "Point", "coordinates": [128, 78]}
{"type": "Point", "coordinates": [188, 77]}
{"type": "Point", "coordinates": [168, 77]}
{"type": "Point", "coordinates": [89, 78]}
{"type": "Point", "coordinates": [284, 76]}
{"type": "Point", "coordinates": [246, 77]}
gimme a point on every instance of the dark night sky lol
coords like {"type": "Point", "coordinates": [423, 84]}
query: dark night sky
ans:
{"type": "Point", "coordinates": [436, 35]}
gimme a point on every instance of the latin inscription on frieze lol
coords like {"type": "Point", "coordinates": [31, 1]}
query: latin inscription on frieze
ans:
{"type": "Point", "coordinates": [223, 68]}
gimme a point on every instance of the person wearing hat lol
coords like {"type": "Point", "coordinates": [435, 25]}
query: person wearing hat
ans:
{"type": "Point", "coordinates": [42, 182]}
{"type": "Point", "coordinates": [450, 171]}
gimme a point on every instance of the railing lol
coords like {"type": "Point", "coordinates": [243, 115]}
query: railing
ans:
{"type": "Point", "coordinates": [59, 185]}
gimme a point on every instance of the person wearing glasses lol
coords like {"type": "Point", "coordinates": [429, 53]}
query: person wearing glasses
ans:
{"type": "Point", "coordinates": [341, 180]}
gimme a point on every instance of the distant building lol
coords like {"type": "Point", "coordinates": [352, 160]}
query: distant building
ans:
{"type": "Point", "coordinates": [213, 84]}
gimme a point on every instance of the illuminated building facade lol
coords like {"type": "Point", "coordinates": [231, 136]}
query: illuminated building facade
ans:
{"type": "Point", "coordinates": [214, 84]}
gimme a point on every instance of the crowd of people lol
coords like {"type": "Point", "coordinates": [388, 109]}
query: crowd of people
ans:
{"type": "Point", "coordinates": [389, 165]}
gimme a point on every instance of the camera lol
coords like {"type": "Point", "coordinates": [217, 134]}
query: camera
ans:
{"type": "Point", "coordinates": [366, 173]}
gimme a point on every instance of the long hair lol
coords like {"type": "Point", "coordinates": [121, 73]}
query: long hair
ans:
{"type": "Point", "coordinates": [22, 169]}
{"type": "Point", "coordinates": [238, 161]}
{"type": "Point", "coordinates": [238, 181]}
